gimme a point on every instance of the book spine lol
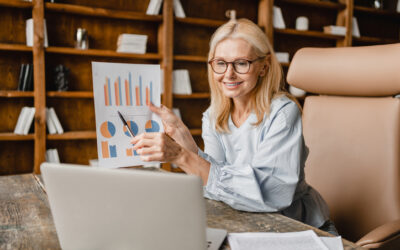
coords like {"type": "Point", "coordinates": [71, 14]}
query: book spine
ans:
{"type": "Point", "coordinates": [178, 9]}
{"type": "Point", "coordinates": [26, 77]}
{"type": "Point", "coordinates": [20, 122]}
{"type": "Point", "coordinates": [29, 120]}
{"type": "Point", "coordinates": [21, 77]}
{"type": "Point", "coordinates": [50, 124]}
{"type": "Point", "coordinates": [57, 123]}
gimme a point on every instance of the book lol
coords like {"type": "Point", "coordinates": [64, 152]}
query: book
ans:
{"type": "Point", "coordinates": [19, 127]}
{"type": "Point", "coordinates": [21, 76]}
{"type": "Point", "coordinates": [132, 43]}
{"type": "Point", "coordinates": [52, 155]}
{"type": "Point", "coordinates": [335, 30]}
{"type": "Point", "coordinates": [54, 118]}
{"type": "Point", "coordinates": [29, 120]}
{"type": "Point", "coordinates": [178, 9]}
{"type": "Point", "coordinates": [154, 7]}
{"type": "Point", "coordinates": [51, 127]}
{"type": "Point", "coordinates": [181, 82]}
{"type": "Point", "coordinates": [283, 57]}
{"type": "Point", "coordinates": [26, 77]}
{"type": "Point", "coordinates": [29, 33]}
{"type": "Point", "coordinates": [356, 30]}
{"type": "Point", "coordinates": [278, 21]}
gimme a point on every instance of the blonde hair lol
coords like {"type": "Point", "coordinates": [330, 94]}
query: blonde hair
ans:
{"type": "Point", "coordinates": [268, 86]}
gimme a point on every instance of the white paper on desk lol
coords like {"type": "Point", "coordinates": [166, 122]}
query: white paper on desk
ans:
{"type": "Point", "coordinates": [127, 88]}
{"type": "Point", "coordinates": [333, 243]}
{"type": "Point", "coordinates": [304, 240]}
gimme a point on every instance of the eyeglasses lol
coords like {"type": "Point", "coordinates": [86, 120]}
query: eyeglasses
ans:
{"type": "Point", "coordinates": [240, 66]}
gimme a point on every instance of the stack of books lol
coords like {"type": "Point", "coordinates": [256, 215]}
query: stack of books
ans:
{"type": "Point", "coordinates": [25, 120]}
{"type": "Point", "coordinates": [25, 80]}
{"type": "Point", "coordinates": [52, 122]}
{"type": "Point", "coordinates": [181, 82]}
{"type": "Point", "coordinates": [132, 43]}
{"type": "Point", "coordinates": [155, 6]}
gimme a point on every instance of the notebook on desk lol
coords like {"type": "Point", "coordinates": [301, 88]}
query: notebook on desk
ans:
{"type": "Point", "coordinates": [97, 208]}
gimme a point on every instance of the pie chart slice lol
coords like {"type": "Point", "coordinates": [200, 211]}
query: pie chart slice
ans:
{"type": "Point", "coordinates": [107, 129]}
{"type": "Point", "coordinates": [152, 126]}
{"type": "Point", "coordinates": [134, 127]}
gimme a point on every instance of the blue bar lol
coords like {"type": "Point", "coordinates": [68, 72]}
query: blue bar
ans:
{"type": "Point", "coordinates": [151, 92]}
{"type": "Point", "coordinates": [140, 90]}
{"type": "Point", "coordinates": [113, 151]}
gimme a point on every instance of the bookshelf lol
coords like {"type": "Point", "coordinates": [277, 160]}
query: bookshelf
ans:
{"type": "Point", "coordinates": [175, 43]}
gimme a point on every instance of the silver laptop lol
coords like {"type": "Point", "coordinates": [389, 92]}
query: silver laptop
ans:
{"type": "Point", "coordinates": [97, 208]}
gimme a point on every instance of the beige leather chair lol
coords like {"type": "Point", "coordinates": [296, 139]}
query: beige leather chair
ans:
{"type": "Point", "coordinates": [352, 130]}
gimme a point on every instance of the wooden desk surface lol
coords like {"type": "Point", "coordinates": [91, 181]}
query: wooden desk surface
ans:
{"type": "Point", "coordinates": [26, 221]}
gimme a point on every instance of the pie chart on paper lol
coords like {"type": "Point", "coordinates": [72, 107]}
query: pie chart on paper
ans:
{"type": "Point", "coordinates": [152, 126]}
{"type": "Point", "coordinates": [134, 127]}
{"type": "Point", "coordinates": [107, 129]}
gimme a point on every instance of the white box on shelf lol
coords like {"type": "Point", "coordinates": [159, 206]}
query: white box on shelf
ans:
{"type": "Point", "coordinates": [283, 57]}
{"type": "Point", "coordinates": [278, 21]}
{"type": "Point", "coordinates": [181, 82]}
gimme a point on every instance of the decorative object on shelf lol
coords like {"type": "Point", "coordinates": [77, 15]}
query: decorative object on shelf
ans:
{"type": "Point", "coordinates": [61, 78]}
{"type": "Point", "coordinates": [356, 30]}
{"type": "Point", "coordinates": [178, 9]}
{"type": "Point", "coordinates": [132, 43]}
{"type": "Point", "coordinates": [283, 57]}
{"type": "Point", "coordinates": [278, 21]}
{"type": "Point", "coordinates": [154, 7]}
{"type": "Point", "coordinates": [181, 82]}
{"type": "Point", "coordinates": [29, 33]}
{"type": "Point", "coordinates": [378, 4]}
{"type": "Point", "coordinates": [296, 92]}
{"type": "Point", "coordinates": [302, 23]}
{"type": "Point", "coordinates": [231, 14]}
{"type": "Point", "coordinates": [81, 39]}
{"type": "Point", "coordinates": [25, 120]}
{"type": "Point", "coordinates": [335, 30]}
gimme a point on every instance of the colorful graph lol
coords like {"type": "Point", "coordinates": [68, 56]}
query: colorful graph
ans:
{"type": "Point", "coordinates": [107, 129]}
{"type": "Point", "coordinates": [131, 152]}
{"type": "Point", "coordinates": [152, 126]}
{"type": "Point", "coordinates": [126, 94]}
{"type": "Point", "coordinates": [108, 150]}
{"type": "Point", "coordinates": [134, 127]}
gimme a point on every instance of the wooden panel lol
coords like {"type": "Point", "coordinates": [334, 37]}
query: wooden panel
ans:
{"type": "Point", "coordinates": [10, 110]}
{"type": "Point", "coordinates": [379, 26]}
{"type": "Point", "coordinates": [12, 22]}
{"type": "Point", "coordinates": [75, 151]}
{"type": "Point", "coordinates": [195, 44]}
{"type": "Point", "coordinates": [198, 75]}
{"type": "Point", "coordinates": [139, 6]}
{"type": "Point", "coordinates": [103, 33]}
{"type": "Point", "coordinates": [10, 64]}
{"type": "Point", "coordinates": [191, 111]}
{"type": "Point", "coordinates": [74, 114]}
{"type": "Point", "coordinates": [16, 157]}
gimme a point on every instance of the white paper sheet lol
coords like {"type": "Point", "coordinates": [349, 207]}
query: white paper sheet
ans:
{"type": "Point", "coordinates": [306, 240]}
{"type": "Point", "coordinates": [126, 88]}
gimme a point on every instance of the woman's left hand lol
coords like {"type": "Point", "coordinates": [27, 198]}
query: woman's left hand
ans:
{"type": "Point", "coordinates": [157, 147]}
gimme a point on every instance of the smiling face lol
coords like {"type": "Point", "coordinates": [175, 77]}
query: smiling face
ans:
{"type": "Point", "coordinates": [235, 85]}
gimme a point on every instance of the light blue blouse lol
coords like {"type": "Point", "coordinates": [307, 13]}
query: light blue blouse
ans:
{"type": "Point", "coordinates": [261, 168]}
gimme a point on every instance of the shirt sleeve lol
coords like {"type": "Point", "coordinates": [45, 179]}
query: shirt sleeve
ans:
{"type": "Point", "coordinates": [268, 183]}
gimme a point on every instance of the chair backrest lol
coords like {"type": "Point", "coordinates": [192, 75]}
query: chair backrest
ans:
{"type": "Point", "coordinates": [352, 131]}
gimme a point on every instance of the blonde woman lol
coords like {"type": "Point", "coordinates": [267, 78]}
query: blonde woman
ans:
{"type": "Point", "coordinates": [254, 150]}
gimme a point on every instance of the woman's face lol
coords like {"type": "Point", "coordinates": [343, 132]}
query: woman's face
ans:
{"type": "Point", "coordinates": [235, 85]}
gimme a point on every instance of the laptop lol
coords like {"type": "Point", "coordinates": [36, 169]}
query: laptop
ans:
{"type": "Point", "coordinates": [96, 208]}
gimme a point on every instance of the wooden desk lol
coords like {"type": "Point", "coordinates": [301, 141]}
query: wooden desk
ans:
{"type": "Point", "coordinates": [26, 221]}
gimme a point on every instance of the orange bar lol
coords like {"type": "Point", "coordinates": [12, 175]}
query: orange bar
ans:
{"type": "Point", "coordinates": [137, 96]}
{"type": "Point", "coordinates": [147, 96]}
{"type": "Point", "coordinates": [127, 91]}
{"type": "Point", "coordinates": [116, 93]}
{"type": "Point", "coordinates": [129, 152]}
{"type": "Point", "coordinates": [104, 149]}
{"type": "Point", "coordinates": [105, 95]}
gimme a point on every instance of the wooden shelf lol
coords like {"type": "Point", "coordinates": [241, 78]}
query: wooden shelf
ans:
{"type": "Point", "coordinates": [15, 47]}
{"type": "Point", "coordinates": [200, 21]}
{"type": "Point", "coordinates": [378, 12]}
{"type": "Point", "coordinates": [193, 96]}
{"type": "Point", "coordinates": [70, 94]}
{"type": "Point", "coordinates": [189, 58]}
{"type": "Point", "coordinates": [16, 4]}
{"type": "Point", "coordinates": [316, 34]}
{"type": "Point", "coordinates": [195, 131]}
{"type": "Point", "coordinates": [14, 137]}
{"type": "Point", "coordinates": [317, 4]}
{"type": "Point", "coordinates": [100, 12]}
{"type": "Point", "coordinates": [101, 53]}
{"type": "Point", "coordinates": [15, 93]}
{"type": "Point", "coordinates": [75, 135]}
{"type": "Point", "coordinates": [374, 40]}
{"type": "Point", "coordinates": [286, 65]}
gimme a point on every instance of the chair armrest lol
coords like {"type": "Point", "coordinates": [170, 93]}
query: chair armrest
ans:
{"type": "Point", "coordinates": [386, 236]}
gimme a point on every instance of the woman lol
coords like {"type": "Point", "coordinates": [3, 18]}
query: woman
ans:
{"type": "Point", "coordinates": [254, 150]}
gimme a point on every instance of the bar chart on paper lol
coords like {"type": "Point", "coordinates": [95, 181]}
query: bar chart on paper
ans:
{"type": "Point", "coordinates": [128, 89]}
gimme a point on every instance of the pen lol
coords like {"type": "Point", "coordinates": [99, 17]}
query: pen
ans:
{"type": "Point", "coordinates": [125, 124]}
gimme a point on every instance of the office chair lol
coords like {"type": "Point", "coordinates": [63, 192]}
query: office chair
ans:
{"type": "Point", "coordinates": [352, 130]}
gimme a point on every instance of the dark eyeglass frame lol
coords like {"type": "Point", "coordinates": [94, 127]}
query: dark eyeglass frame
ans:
{"type": "Point", "coordinates": [233, 64]}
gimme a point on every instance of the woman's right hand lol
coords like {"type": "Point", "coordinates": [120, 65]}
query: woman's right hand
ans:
{"type": "Point", "coordinates": [175, 128]}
